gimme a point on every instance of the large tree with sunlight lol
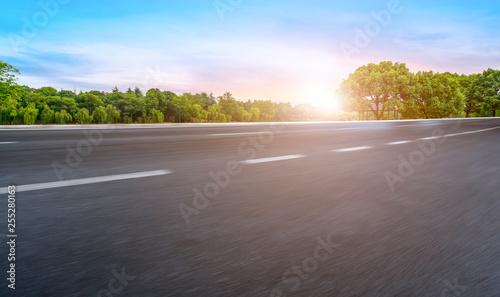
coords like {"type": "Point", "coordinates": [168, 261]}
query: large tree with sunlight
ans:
{"type": "Point", "coordinates": [376, 87]}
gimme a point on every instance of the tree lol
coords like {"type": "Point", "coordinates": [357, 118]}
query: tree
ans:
{"type": "Point", "coordinates": [47, 115]}
{"type": "Point", "coordinates": [376, 87]}
{"type": "Point", "coordinates": [176, 106]}
{"type": "Point", "coordinates": [112, 114]}
{"type": "Point", "coordinates": [127, 120]}
{"type": "Point", "coordinates": [36, 98]}
{"type": "Point", "coordinates": [215, 114]}
{"type": "Point", "coordinates": [203, 116]}
{"type": "Point", "coordinates": [267, 111]}
{"type": "Point", "coordinates": [62, 117]}
{"type": "Point", "coordinates": [489, 83]}
{"type": "Point", "coordinates": [155, 116]}
{"type": "Point", "coordinates": [156, 99]}
{"type": "Point", "coordinates": [192, 112]}
{"type": "Point", "coordinates": [138, 92]}
{"type": "Point", "coordinates": [89, 101]}
{"type": "Point", "coordinates": [67, 94]}
{"type": "Point", "coordinates": [255, 112]}
{"type": "Point", "coordinates": [208, 99]}
{"type": "Point", "coordinates": [58, 104]}
{"type": "Point", "coordinates": [245, 116]}
{"type": "Point", "coordinates": [29, 114]}
{"type": "Point", "coordinates": [470, 88]}
{"type": "Point", "coordinates": [83, 116]}
{"type": "Point", "coordinates": [170, 99]}
{"type": "Point", "coordinates": [283, 111]}
{"type": "Point", "coordinates": [99, 115]}
{"type": "Point", "coordinates": [229, 106]}
{"type": "Point", "coordinates": [436, 95]}
{"type": "Point", "coordinates": [47, 91]}
{"type": "Point", "coordinates": [9, 90]}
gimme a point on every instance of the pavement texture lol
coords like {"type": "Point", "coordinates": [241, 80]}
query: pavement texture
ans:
{"type": "Point", "coordinates": [406, 208]}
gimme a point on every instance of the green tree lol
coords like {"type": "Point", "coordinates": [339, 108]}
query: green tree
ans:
{"type": "Point", "coordinates": [489, 83]}
{"type": "Point", "coordinates": [436, 95]}
{"type": "Point", "coordinates": [216, 115]}
{"type": "Point", "coordinates": [471, 89]}
{"type": "Point", "coordinates": [89, 101]}
{"type": "Point", "coordinates": [245, 116]}
{"type": "Point", "coordinates": [203, 117]}
{"type": "Point", "coordinates": [58, 104]}
{"type": "Point", "coordinates": [127, 120]}
{"type": "Point", "coordinates": [63, 117]}
{"type": "Point", "coordinates": [376, 87]}
{"type": "Point", "coordinates": [156, 99]}
{"type": "Point", "coordinates": [208, 99]}
{"type": "Point", "coordinates": [99, 115]}
{"type": "Point", "coordinates": [155, 116]}
{"type": "Point", "coordinates": [47, 115]}
{"type": "Point", "coordinates": [112, 114]}
{"type": "Point", "coordinates": [192, 112]}
{"type": "Point", "coordinates": [29, 114]}
{"type": "Point", "coordinates": [36, 98]}
{"type": "Point", "coordinates": [138, 92]}
{"type": "Point", "coordinates": [177, 106]}
{"type": "Point", "coordinates": [255, 112]}
{"type": "Point", "coordinates": [47, 91]}
{"type": "Point", "coordinates": [67, 94]}
{"type": "Point", "coordinates": [267, 111]}
{"type": "Point", "coordinates": [9, 91]}
{"type": "Point", "coordinates": [83, 117]}
{"type": "Point", "coordinates": [230, 106]}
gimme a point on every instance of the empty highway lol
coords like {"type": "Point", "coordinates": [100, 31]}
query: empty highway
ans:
{"type": "Point", "coordinates": [404, 208]}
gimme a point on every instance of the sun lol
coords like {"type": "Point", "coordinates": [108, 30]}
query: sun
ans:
{"type": "Point", "coordinates": [320, 96]}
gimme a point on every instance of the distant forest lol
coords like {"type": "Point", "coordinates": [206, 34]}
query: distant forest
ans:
{"type": "Point", "coordinates": [375, 91]}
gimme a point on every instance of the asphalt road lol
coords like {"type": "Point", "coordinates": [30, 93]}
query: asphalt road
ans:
{"type": "Point", "coordinates": [319, 209]}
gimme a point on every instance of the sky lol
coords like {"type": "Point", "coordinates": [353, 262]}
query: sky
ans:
{"type": "Point", "coordinates": [285, 51]}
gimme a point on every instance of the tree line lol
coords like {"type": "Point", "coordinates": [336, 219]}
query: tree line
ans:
{"type": "Point", "coordinates": [379, 88]}
{"type": "Point", "coordinates": [46, 105]}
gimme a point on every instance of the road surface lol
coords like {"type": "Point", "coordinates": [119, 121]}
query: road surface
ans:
{"type": "Point", "coordinates": [308, 209]}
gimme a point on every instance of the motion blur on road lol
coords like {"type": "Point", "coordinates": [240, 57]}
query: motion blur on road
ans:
{"type": "Point", "coordinates": [406, 208]}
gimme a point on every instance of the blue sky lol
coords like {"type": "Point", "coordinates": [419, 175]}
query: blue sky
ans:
{"type": "Point", "coordinates": [279, 50]}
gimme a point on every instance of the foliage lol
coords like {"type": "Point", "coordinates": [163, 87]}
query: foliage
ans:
{"type": "Point", "coordinates": [9, 90]}
{"type": "Point", "coordinates": [63, 117]}
{"type": "Point", "coordinates": [48, 115]}
{"type": "Point", "coordinates": [489, 88]}
{"type": "Point", "coordinates": [377, 88]}
{"type": "Point", "coordinates": [112, 114]}
{"type": "Point", "coordinates": [435, 95]}
{"type": "Point", "coordinates": [89, 101]}
{"type": "Point", "coordinates": [83, 116]}
{"type": "Point", "coordinates": [155, 116]}
{"type": "Point", "coordinates": [99, 115]}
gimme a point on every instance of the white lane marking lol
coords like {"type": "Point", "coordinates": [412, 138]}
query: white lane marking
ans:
{"type": "Point", "coordinates": [86, 181]}
{"type": "Point", "coordinates": [352, 149]}
{"type": "Point", "coordinates": [471, 132]}
{"type": "Point", "coordinates": [273, 159]}
{"type": "Point", "coordinates": [399, 142]}
{"type": "Point", "coordinates": [234, 134]}
{"type": "Point", "coordinates": [8, 142]}
{"type": "Point", "coordinates": [459, 134]}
